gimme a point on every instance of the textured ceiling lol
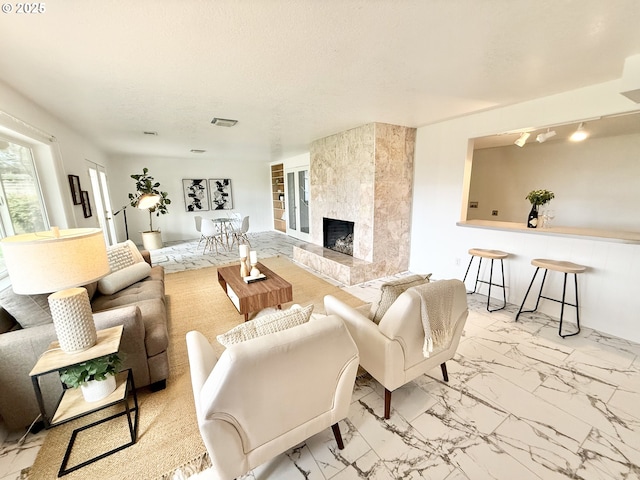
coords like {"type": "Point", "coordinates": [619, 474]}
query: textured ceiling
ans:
{"type": "Point", "coordinates": [295, 71]}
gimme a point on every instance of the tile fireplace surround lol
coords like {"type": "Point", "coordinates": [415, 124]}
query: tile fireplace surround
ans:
{"type": "Point", "coordinates": [365, 176]}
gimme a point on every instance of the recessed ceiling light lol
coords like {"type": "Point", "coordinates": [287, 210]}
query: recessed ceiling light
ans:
{"type": "Point", "coordinates": [224, 122]}
{"type": "Point", "coordinates": [151, 133]}
{"type": "Point", "coordinates": [195, 150]}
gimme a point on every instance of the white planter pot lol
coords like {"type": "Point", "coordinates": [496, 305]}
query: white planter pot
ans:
{"type": "Point", "coordinates": [152, 240]}
{"type": "Point", "coordinates": [95, 390]}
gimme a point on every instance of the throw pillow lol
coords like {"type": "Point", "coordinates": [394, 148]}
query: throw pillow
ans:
{"type": "Point", "coordinates": [274, 322]}
{"type": "Point", "coordinates": [7, 322]}
{"type": "Point", "coordinates": [116, 281]}
{"type": "Point", "coordinates": [122, 255]}
{"type": "Point", "coordinates": [28, 310]}
{"type": "Point", "coordinates": [390, 291]}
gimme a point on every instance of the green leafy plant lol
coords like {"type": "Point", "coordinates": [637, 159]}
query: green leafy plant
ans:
{"type": "Point", "coordinates": [145, 184]}
{"type": "Point", "coordinates": [539, 197]}
{"type": "Point", "coordinates": [95, 369]}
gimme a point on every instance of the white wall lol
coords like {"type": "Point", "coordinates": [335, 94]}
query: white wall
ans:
{"type": "Point", "coordinates": [69, 153]}
{"type": "Point", "coordinates": [250, 183]}
{"type": "Point", "coordinates": [581, 175]}
{"type": "Point", "coordinates": [608, 295]}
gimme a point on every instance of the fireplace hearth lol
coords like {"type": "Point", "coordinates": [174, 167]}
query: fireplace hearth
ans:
{"type": "Point", "coordinates": [338, 235]}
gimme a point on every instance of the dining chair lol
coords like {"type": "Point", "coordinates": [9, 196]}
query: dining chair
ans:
{"type": "Point", "coordinates": [236, 219]}
{"type": "Point", "coordinates": [240, 234]}
{"type": "Point", "coordinates": [198, 220]}
{"type": "Point", "coordinates": [213, 236]}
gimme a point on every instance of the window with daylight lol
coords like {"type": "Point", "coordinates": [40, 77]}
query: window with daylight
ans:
{"type": "Point", "coordinates": [21, 205]}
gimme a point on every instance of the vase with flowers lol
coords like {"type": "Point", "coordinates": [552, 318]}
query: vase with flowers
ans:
{"type": "Point", "coordinates": [537, 198]}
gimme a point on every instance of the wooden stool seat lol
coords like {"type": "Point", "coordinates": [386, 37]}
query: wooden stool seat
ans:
{"type": "Point", "coordinates": [568, 268]}
{"type": "Point", "coordinates": [491, 255]}
{"type": "Point", "coordinates": [558, 265]}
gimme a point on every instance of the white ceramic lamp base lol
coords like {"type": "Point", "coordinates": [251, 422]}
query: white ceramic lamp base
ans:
{"type": "Point", "coordinates": [73, 319]}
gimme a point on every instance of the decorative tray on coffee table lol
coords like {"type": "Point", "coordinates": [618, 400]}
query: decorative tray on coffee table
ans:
{"type": "Point", "coordinates": [256, 278]}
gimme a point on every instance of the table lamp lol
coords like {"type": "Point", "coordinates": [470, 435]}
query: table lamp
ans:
{"type": "Point", "coordinates": [59, 261]}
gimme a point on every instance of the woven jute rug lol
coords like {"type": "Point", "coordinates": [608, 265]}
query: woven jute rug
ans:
{"type": "Point", "coordinates": [168, 437]}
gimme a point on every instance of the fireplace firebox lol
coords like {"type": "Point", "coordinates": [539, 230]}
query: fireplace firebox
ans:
{"type": "Point", "coordinates": [338, 235]}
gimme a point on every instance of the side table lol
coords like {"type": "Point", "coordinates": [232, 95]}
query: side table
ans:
{"type": "Point", "coordinates": [72, 405]}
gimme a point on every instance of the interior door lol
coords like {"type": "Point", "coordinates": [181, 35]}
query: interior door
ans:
{"type": "Point", "coordinates": [102, 202]}
{"type": "Point", "coordinates": [297, 186]}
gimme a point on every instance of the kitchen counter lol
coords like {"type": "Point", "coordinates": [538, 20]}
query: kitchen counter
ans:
{"type": "Point", "coordinates": [590, 233]}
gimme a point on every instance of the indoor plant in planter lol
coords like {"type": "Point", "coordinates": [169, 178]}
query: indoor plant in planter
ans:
{"type": "Point", "coordinates": [95, 377]}
{"type": "Point", "coordinates": [537, 198]}
{"type": "Point", "coordinates": [147, 188]}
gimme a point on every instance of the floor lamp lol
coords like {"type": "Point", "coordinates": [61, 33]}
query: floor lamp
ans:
{"type": "Point", "coordinates": [145, 201]}
{"type": "Point", "coordinates": [124, 214]}
{"type": "Point", "coordinates": [60, 261]}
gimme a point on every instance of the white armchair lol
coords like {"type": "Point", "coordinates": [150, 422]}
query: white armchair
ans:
{"type": "Point", "coordinates": [391, 351]}
{"type": "Point", "coordinates": [266, 395]}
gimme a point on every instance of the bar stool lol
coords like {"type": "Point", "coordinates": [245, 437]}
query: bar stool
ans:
{"type": "Point", "coordinates": [492, 255]}
{"type": "Point", "coordinates": [558, 266]}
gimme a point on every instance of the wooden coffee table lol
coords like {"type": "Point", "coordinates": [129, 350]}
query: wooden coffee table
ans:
{"type": "Point", "coordinates": [252, 297]}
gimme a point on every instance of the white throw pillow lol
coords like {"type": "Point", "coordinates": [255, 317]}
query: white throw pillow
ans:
{"type": "Point", "coordinates": [390, 291]}
{"type": "Point", "coordinates": [271, 323]}
{"type": "Point", "coordinates": [123, 278]}
{"type": "Point", "coordinates": [122, 255]}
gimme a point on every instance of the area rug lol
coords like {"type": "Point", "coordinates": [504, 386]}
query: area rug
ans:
{"type": "Point", "coordinates": [168, 439]}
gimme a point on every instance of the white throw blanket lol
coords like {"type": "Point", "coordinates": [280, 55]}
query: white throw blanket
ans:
{"type": "Point", "coordinates": [436, 302]}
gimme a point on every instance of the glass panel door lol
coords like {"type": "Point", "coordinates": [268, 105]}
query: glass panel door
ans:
{"type": "Point", "coordinates": [292, 224]}
{"type": "Point", "coordinates": [101, 200]}
{"type": "Point", "coordinates": [297, 186]}
{"type": "Point", "coordinates": [303, 194]}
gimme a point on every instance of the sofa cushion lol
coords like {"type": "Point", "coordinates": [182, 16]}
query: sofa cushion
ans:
{"type": "Point", "coordinates": [151, 287]}
{"type": "Point", "coordinates": [28, 310]}
{"type": "Point", "coordinates": [390, 291]}
{"type": "Point", "coordinates": [263, 325]}
{"type": "Point", "coordinates": [120, 279]}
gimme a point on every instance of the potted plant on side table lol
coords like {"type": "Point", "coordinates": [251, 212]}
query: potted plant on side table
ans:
{"type": "Point", "coordinates": [537, 198]}
{"type": "Point", "coordinates": [95, 377]}
{"type": "Point", "coordinates": [147, 192]}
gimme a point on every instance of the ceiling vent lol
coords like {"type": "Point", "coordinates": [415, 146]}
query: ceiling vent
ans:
{"type": "Point", "coordinates": [224, 122]}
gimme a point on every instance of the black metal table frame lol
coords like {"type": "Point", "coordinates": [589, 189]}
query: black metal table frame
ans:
{"type": "Point", "coordinates": [133, 426]}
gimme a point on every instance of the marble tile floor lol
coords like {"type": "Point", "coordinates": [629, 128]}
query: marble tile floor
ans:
{"type": "Point", "coordinates": [521, 403]}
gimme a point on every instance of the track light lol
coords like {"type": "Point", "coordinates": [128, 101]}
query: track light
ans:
{"type": "Point", "coordinates": [543, 137]}
{"type": "Point", "coordinates": [523, 138]}
{"type": "Point", "coordinates": [580, 134]}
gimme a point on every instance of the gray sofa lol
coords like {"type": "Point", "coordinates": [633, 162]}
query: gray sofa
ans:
{"type": "Point", "coordinates": [139, 307]}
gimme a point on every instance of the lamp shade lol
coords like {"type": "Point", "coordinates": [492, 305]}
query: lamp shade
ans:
{"type": "Point", "coordinates": [46, 262]}
{"type": "Point", "coordinates": [148, 200]}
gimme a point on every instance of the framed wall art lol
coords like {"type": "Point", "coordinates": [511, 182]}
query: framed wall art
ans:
{"type": "Point", "coordinates": [220, 192]}
{"type": "Point", "coordinates": [86, 204]}
{"type": "Point", "coordinates": [74, 184]}
{"type": "Point", "coordinates": [196, 198]}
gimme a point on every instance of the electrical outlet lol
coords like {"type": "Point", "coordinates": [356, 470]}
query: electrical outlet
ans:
{"type": "Point", "coordinates": [494, 213]}
{"type": "Point", "coordinates": [457, 261]}
{"type": "Point", "coordinates": [473, 204]}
